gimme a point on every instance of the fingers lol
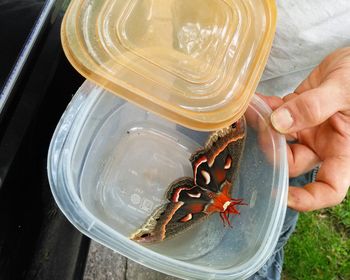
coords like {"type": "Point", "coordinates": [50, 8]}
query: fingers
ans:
{"type": "Point", "coordinates": [301, 159]}
{"type": "Point", "coordinates": [329, 189]}
{"type": "Point", "coordinates": [253, 119]}
{"type": "Point", "coordinates": [273, 101]}
{"type": "Point", "coordinates": [312, 81]}
{"type": "Point", "coordinates": [305, 110]}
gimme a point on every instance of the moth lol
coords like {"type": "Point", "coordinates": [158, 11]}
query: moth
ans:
{"type": "Point", "coordinates": [190, 200]}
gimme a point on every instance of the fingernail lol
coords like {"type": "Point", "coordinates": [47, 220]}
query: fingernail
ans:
{"type": "Point", "coordinates": [281, 120]}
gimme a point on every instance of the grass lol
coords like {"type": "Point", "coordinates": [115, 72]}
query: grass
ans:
{"type": "Point", "coordinates": [320, 247]}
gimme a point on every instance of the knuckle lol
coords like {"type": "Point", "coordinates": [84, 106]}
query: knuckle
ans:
{"type": "Point", "coordinates": [309, 111]}
{"type": "Point", "coordinates": [293, 171]}
{"type": "Point", "coordinates": [289, 96]}
{"type": "Point", "coordinates": [338, 197]}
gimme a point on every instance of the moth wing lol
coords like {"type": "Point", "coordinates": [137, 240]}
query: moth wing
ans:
{"type": "Point", "coordinates": [184, 189]}
{"type": "Point", "coordinates": [167, 221]}
{"type": "Point", "coordinates": [184, 209]}
{"type": "Point", "coordinates": [185, 218]}
{"type": "Point", "coordinates": [219, 161]}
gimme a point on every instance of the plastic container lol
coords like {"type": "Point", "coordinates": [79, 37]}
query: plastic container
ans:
{"type": "Point", "coordinates": [109, 166]}
{"type": "Point", "coordinates": [195, 62]}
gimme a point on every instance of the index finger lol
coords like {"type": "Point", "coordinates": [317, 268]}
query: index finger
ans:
{"type": "Point", "coordinates": [329, 189]}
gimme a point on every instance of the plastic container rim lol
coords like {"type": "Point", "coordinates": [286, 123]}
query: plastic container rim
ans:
{"type": "Point", "coordinates": [145, 256]}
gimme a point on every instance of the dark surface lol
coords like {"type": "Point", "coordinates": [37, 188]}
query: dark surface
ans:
{"type": "Point", "coordinates": [36, 241]}
{"type": "Point", "coordinates": [17, 17]}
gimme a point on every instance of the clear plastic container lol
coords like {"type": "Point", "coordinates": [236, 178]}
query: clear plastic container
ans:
{"type": "Point", "coordinates": [110, 164]}
{"type": "Point", "coordinates": [195, 62]}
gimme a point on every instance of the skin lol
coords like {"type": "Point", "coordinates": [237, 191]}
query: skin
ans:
{"type": "Point", "coordinates": [317, 115]}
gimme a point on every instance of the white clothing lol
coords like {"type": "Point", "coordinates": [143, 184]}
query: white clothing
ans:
{"type": "Point", "coordinates": [307, 31]}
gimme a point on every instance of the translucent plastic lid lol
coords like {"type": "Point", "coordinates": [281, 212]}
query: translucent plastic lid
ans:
{"type": "Point", "coordinates": [194, 62]}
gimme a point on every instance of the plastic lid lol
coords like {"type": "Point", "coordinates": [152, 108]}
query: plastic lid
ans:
{"type": "Point", "coordinates": [194, 62]}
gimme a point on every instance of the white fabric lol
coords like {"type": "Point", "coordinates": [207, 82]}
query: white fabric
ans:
{"type": "Point", "coordinates": [307, 31]}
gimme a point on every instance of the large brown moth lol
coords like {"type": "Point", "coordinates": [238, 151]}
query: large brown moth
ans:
{"type": "Point", "coordinates": [191, 200]}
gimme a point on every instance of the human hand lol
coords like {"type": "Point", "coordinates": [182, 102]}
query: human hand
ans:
{"type": "Point", "coordinates": [317, 115]}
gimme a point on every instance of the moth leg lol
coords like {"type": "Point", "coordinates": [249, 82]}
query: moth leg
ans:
{"type": "Point", "coordinates": [227, 219]}
{"type": "Point", "coordinates": [224, 218]}
{"type": "Point", "coordinates": [238, 201]}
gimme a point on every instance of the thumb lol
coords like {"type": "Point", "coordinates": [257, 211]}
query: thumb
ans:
{"type": "Point", "coordinates": [305, 110]}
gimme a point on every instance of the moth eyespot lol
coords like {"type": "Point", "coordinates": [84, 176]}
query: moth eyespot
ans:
{"type": "Point", "coordinates": [228, 162]}
{"type": "Point", "coordinates": [187, 218]}
{"type": "Point", "coordinates": [206, 176]}
{"type": "Point", "coordinates": [194, 195]}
